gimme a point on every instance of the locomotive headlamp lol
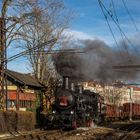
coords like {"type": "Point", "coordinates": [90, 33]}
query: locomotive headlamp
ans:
{"type": "Point", "coordinates": [54, 112]}
{"type": "Point", "coordinates": [72, 112]}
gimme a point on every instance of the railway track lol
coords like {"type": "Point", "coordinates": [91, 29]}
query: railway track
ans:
{"type": "Point", "coordinates": [126, 126]}
{"type": "Point", "coordinates": [58, 135]}
{"type": "Point", "coordinates": [127, 129]}
{"type": "Point", "coordinates": [118, 131]}
{"type": "Point", "coordinates": [37, 134]}
{"type": "Point", "coordinates": [45, 135]}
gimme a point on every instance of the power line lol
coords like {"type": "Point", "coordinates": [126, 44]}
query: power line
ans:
{"type": "Point", "coordinates": [44, 52]}
{"type": "Point", "coordinates": [117, 20]}
{"type": "Point", "coordinates": [131, 18]}
{"type": "Point", "coordinates": [29, 50]}
{"type": "Point", "coordinates": [60, 51]}
{"type": "Point", "coordinates": [114, 9]}
{"type": "Point", "coordinates": [117, 24]}
{"type": "Point", "coordinates": [109, 27]}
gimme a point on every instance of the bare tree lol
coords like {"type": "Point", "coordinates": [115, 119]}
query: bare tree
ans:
{"type": "Point", "coordinates": [16, 14]}
{"type": "Point", "coordinates": [113, 94]}
{"type": "Point", "coordinates": [50, 23]}
{"type": "Point", "coordinates": [51, 20]}
{"type": "Point", "coordinates": [32, 24]}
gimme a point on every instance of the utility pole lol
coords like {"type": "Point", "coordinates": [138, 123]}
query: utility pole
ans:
{"type": "Point", "coordinates": [3, 83]}
{"type": "Point", "coordinates": [130, 115]}
{"type": "Point", "coordinates": [3, 57]}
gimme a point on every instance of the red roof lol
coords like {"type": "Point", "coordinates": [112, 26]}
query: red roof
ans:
{"type": "Point", "coordinates": [134, 88]}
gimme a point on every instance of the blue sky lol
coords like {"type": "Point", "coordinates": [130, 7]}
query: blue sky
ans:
{"type": "Point", "coordinates": [89, 23]}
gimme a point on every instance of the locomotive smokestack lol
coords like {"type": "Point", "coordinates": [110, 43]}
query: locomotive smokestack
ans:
{"type": "Point", "coordinates": [66, 82]}
{"type": "Point", "coordinates": [80, 89]}
{"type": "Point", "coordinates": [72, 87]}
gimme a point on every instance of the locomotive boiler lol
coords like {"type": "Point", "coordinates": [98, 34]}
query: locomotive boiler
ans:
{"type": "Point", "coordinates": [74, 108]}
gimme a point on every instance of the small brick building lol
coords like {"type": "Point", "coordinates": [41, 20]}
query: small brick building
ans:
{"type": "Point", "coordinates": [22, 91]}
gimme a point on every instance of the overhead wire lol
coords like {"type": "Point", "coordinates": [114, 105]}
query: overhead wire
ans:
{"type": "Point", "coordinates": [118, 25]}
{"type": "Point", "coordinates": [45, 52]}
{"type": "Point", "coordinates": [117, 20]}
{"type": "Point", "coordinates": [131, 18]}
{"type": "Point", "coordinates": [114, 10]}
{"type": "Point", "coordinates": [60, 51]}
{"type": "Point", "coordinates": [28, 51]}
{"type": "Point", "coordinates": [112, 33]}
{"type": "Point", "coordinates": [125, 66]}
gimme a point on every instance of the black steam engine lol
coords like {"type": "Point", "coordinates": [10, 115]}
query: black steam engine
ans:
{"type": "Point", "coordinates": [74, 107]}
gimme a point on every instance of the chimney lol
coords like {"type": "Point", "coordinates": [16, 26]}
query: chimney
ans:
{"type": "Point", "coordinates": [80, 89]}
{"type": "Point", "coordinates": [72, 87]}
{"type": "Point", "coordinates": [66, 82]}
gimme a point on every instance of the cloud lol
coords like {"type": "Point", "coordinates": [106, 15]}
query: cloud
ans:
{"type": "Point", "coordinates": [77, 35]}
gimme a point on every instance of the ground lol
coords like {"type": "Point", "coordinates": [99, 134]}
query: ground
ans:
{"type": "Point", "coordinates": [111, 131]}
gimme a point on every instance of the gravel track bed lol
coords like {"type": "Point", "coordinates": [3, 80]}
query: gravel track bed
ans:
{"type": "Point", "coordinates": [128, 131]}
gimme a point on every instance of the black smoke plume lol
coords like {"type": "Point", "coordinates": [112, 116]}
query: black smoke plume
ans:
{"type": "Point", "coordinates": [96, 63]}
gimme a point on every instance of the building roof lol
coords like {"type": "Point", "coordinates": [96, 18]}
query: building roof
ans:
{"type": "Point", "coordinates": [23, 79]}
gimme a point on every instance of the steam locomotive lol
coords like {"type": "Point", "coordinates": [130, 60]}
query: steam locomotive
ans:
{"type": "Point", "coordinates": [75, 107]}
